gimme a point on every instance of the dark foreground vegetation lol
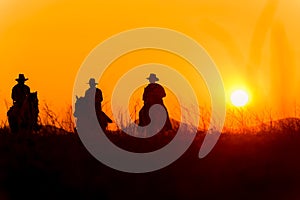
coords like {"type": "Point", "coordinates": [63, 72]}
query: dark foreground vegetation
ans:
{"type": "Point", "coordinates": [265, 165]}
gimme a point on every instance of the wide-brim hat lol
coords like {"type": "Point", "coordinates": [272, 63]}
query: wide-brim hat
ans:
{"type": "Point", "coordinates": [21, 78]}
{"type": "Point", "coordinates": [153, 77]}
{"type": "Point", "coordinates": [92, 81]}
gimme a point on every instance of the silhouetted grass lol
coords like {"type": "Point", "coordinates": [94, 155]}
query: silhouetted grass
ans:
{"type": "Point", "coordinates": [260, 162]}
{"type": "Point", "coordinates": [264, 165]}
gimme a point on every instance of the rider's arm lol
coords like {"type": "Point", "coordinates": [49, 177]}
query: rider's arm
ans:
{"type": "Point", "coordinates": [160, 92]}
{"type": "Point", "coordinates": [99, 95]}
{"type": "Point", "coordinates": [13, 94]}
{"type": "Point", "coordinates": [145, 94]}
{"type": "Point", "coordinates": [27, 90]}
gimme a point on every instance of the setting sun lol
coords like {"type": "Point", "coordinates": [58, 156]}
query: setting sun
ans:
{"type": "Point", "coordinates": [239, 98]}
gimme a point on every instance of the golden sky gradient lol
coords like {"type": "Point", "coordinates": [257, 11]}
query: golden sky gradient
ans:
{"type": "Point", "coordinates": [254, 43]}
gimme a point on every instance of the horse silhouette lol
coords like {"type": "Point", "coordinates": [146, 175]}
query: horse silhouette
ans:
{"type": "Point", "coordinates": [84, 110]}
{"type": "Point", "coordinates": [25, 117]}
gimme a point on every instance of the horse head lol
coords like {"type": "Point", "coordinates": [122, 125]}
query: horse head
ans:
{"type": "Point", "coordinates": [79, 105]}
{"type": "Point", "coordinates": [32, 98]}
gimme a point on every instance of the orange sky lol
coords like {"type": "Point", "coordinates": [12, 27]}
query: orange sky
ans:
{"type": "Point", "coordinates": [255, 44]}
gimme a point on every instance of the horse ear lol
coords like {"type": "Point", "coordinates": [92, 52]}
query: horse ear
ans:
{"type": "Point", "coordinates": [77, 97]}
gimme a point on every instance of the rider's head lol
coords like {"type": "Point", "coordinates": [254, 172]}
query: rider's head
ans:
{"type": "Point", "coordinates": [152, 78]}
{"type": "Point", "coordinates": [21, 79]}
{"type": "Point", "coordinates": [92, 82]}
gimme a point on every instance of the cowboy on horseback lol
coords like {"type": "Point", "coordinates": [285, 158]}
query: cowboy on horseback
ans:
{"type": "Point", "coordinates": [20, 91]}
{"type": "Point", "coordinates": [153, 94]}
{"type": "Point", "coordinates": [24, 112]}
{"type": "Point", "coordinates": [91, 102]}
{"type": "Point", "coordinates": [94, 94]}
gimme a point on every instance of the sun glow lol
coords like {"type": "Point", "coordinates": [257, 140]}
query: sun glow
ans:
{"type": "Point", "coordinates": [239, 98]}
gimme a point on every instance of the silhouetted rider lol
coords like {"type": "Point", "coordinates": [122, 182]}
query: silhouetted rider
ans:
{"type": "Point", "coordinates": [20, 91]}
{"type": "Point", "coordinates": [153, 94]}
{"type": "Point", "coordinates": [94, 92]}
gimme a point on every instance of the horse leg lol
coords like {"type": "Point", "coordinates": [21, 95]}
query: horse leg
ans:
{"type": "Point", "coordinates": [13, 124]}
{"type": "Point", "coordinates": [12, 120]}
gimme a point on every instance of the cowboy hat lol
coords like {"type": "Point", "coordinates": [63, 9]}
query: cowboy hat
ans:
{"type": "Point", "coordinates": [21, 78]}
{"type": "Point", "coordinates": [152, 77]}
{"type": "Point", "coordinates": [92, 81]}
